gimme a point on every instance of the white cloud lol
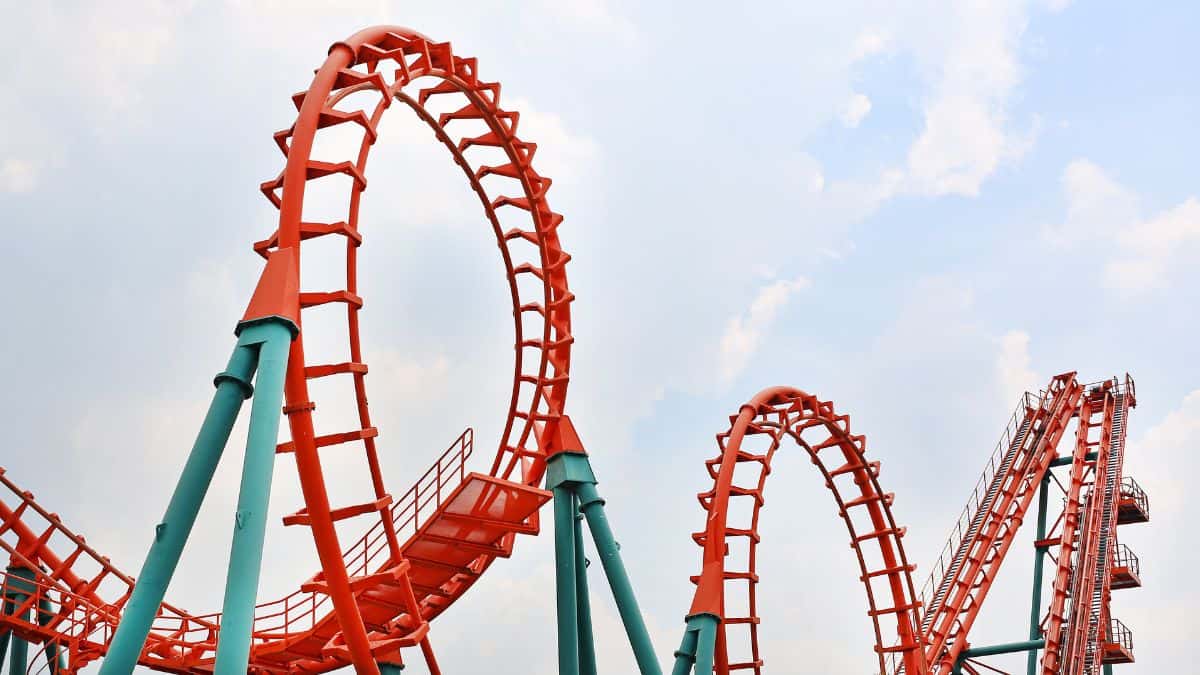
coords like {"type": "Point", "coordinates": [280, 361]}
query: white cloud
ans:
{"type": "Point", "coordinates": [1096, 205]}
{"type": "Point", "coordinates": [744, 332]}
{"type": "Point", "coordinates": [966, 135]}
{"type": "Point", "coordinates": [17, 175]}
{"type": "Point", "coordinates": [1138, 253]}
{"type": "Point", "coordinates": [1150, 247]}
{"type": "Point", "coordinates": [857, 109]}
{"type": "Point", "coordinates": [869, 43]}
{"type": "Point", "coordinates": [594, 15]}
{"type": "Point", "coordinates": [1013, 372]}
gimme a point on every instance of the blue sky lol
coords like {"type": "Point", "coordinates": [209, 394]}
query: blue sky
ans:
{"type": "Point", "coordinates": [917, 212]}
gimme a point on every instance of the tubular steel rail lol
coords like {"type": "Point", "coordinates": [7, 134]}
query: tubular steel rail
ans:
{"type": "Point", "coordinates": [377, 597]}
{"type": "Point", "coordinates": [443, 90]}
{"type": "Point", "coordinates": [853, 480]}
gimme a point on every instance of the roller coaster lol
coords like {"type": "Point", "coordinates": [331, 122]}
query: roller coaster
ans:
{"type": "Point", "coordinates": [372, 603]}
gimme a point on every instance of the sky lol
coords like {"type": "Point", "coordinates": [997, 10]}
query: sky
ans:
{"type": "Point", "coordinates": [917, 210]}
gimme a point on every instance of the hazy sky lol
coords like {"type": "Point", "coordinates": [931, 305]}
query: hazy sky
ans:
{"type": "Point", "coordinates": [917, 210]}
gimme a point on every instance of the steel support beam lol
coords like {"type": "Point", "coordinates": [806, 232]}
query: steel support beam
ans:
{"type": "Point", "coordinates": [569, 474]}
{"type": "Point", "coordinates": [1039, 556]}
{"type": "Point", "coordinates": [272, 338]}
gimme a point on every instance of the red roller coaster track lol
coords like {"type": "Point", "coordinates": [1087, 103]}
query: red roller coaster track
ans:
{"type": "Point", "coordinates": [376, 597]}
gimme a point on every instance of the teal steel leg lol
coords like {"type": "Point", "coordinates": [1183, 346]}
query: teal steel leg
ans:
{"type": "Point", "coordinates": [618, 579]}
{"type": "Point", "coordinates": [7, 635]}
{"type": "Point", "coordinates": [686, 655]}
{"type": "Point", "coordinates": [587, 646]}
{"type": "Point", "coordinates": [390, 669]}
{"type": "Point", "coordinates": [1039, 555]}
{"type": "Point", "coordinates": [55, 659]}
{"type": "Point", "coordinates": [18, 658]}
{"type": "Point", "coordinates": [706, 641]}
{"type": "Point", "coordinates": [564, 562]}
{"type": "Point", "coordinates": [233, 387]}
{"type": "Point", "coordinates": [273, 340]}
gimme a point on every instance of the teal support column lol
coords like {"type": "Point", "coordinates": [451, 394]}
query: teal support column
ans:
{"type": "Point", "coordinates": [685, 656]}
{"type": "Point", "coordinates": [564, 563]}
{"type": "Point", "coordinates": [272, 337]}
{"type": "Point", "coordinates": [1039, 556]}
{"type": "Point", "coordinates": [56, 660]}
{"type": "Point", "coordinates": [233, 387]}
{"type": "Point", "coordinates": [18, 658]}
{"type": "Point", "coordinates": [571, 472]}
{"type": "Point", "coordinates": [706, 641]}
{"type": "Point", "coordinates": [390, 669]}
{"type": "Point", "coordinates": [583, 603]}
{"type": "Point", "coordinates": [4, 638]}
{"type": "Point", "coordinates": [618, 579]}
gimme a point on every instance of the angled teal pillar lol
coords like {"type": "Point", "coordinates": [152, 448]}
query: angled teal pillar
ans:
{"type": "Point", "coordinates": [698, 649]}
{"type": "Point", "coordinates": [233, 387]}
{"type": "Point", "coordinates": [56, 659]}
{"type": "Point", "coordinates": [583, 604]}
{"type": "Point", "coordinates": [685, 656]}
{"type": "Point", "coordinates": [272, 337]}
{"type": "Point", "coordinates": [569, 474]}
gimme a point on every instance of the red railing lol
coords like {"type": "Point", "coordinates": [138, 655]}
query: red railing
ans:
{"type": "Point", "coordinates": [299, 612]}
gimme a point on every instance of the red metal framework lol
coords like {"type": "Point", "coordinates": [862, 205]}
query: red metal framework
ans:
{"type": "Point", "coordinates": [740, 472]}
{"type": "Point", "coordinates": [981, 557]}
{"type": "Point", "coordinates": [377, 596]}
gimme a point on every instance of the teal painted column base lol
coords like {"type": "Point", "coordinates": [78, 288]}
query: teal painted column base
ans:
{"type": "Point", "coordinates": [569, 475]}
{"type": "Point", "coordinates": [272, 337]}
{"type": "Point", "coordinates": [262, 346]}
{"type": "Point", "coordinates": [390, 669]}
{"type": "Point", "coordinates": [698, 648]}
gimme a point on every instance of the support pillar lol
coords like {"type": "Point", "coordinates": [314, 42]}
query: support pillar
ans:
{"type": "Point", "coordinates": [564, 564]}
{"type": "Point", "coordinates": [233, 387]}
{"type": "Point", "coordinates": [1039, 556]}
{"type": "Point", "coordinates": [569, 475]}
{"type": "Point", "coordinates": [272, 338]}
{"type": "Point", "coordinates": [583, 603]}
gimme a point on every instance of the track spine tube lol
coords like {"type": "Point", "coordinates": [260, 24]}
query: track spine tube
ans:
{"type": "Point", "coordinates": [233, 387]}
{"type": "Point", "coordinates": [583, 605]}
{"type": "Point", "coordinates": [272, 338]}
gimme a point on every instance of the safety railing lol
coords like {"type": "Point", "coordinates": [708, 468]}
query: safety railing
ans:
{"type": "Point", "coordinates": [980, 494]}
{"type": "Point", "coordinates": [298, 613]}
{"type": "Point", "coordinates": [1119, 634]}
{"type": "Point", "coordinates": [65, 615]}
{"type": "Point", "coordinates": [37, 608]}
{"type": "Point", "coordinates": [1123, 557]}
{"type": "Point", "coordinates": [1131, 490]}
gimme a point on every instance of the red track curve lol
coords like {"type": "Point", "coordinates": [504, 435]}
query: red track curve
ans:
{"type": "Point", "coordinates": [482, 139]}
{"type": "Point", "coordinates": [853, 481]}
